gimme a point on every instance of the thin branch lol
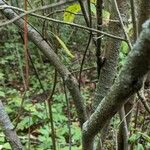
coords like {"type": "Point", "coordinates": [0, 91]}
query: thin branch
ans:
{"type": "Point", "coordinates": [84, 11]}
{"type": "Point", "coordinates": [124, 128]}
{"type": "Point", "coordinates": [54, 5]}
{"type": "Point", "coordinates": [128, 82]}
{"type": "Point", "coordinates": [89, 12]}
{"type": "Point", "coordinates": [99, 8]}
{"type": "Point", "coordinates": [68, 115]}
{"type": "Point", "coordinates": [126, 115]}
{"type": "Point", "coordinates": [143, 100]}
{"type": "Point", "coordinates": [83, 59]}
{"type": "Point", "coordinates": [81, 27]}
{"type": "Point", "coordinates": [134, 21]}
{"type": "Point", "coordinates": [123, 26]}
{"type": "Point", "coordinates": [59, 21]}
{"type": "Point", "coordinates": [48, 51]}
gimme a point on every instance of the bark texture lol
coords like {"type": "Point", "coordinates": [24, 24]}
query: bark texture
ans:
{"type": "Point", "coordinates": [109, 69]}
{"type": "Point", "coordinates": [8, 129]}
{"type": "Point", "coordinates": [45, 48]}
{"type": "Point", "coordinates": [144, 14]}
{"type": "Point", "coordinates": [128, 82]}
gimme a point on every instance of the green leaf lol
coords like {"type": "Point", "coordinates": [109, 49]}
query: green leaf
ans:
{"type": "Point", "coordinates": [139, 147]}
{"type": "Point", "coordinates": [93, 1]}
{"type": "Point", "coordinates": [93, 9]}
{"type": "Point", "coordinates": [6, 146]}
{"type": "Point", "coordinates": [2, 139]}
{"type": "Point", "coordinates": [1, 76]}
{"type": "Point", "coordinates": [106, 15]}
{"type": "Point", "coordinates": [148, 146]}
{"type": "Point", "coordinates": [64, 46]}
{"type": "Point", "coordinates": [124, 47]}
{"type": "Point", "coordinates": [145, 136]}
{"type": "Point", "coordinates": [70, 12]}
{"type": "Point", "coordinates": [24, 123]}
{"type": "Point", "coordinates": [2, 94]}
{"type": "Point", "coordinates": [134, 138]}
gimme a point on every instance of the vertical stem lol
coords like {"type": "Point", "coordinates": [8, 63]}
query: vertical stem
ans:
{"type": "Point", "coordinates": [99, 7]}
{"type": "Point", "coordinates": [52, 125]}
{"type": "Point", "coordinates": [123, 26]}
{"type": "Point", "coordinates": [84, 11]}
{"type": "Point", "coordinates": [29, 132]}
{"type": "Point", "coordinates": [124, 129]}
{"type": "Point", "coordinates": [134, 22]}
{"type": "Point", "coordinates": [26, 84]}
{"type": "Point", "coordinates": [69, 116]}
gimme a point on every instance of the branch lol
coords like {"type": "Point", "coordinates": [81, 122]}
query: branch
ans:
{"type": "Point", "coordinates": [123, 26]}
{"type": "Point", "coordinates": [8, 129]}
{"type": "Point", "coordinates": [70, 81]}
{"type": "Point", "coordinates": [53, 5]}
{"type": "Point", "coordinates": [143, 100]}
{"type": "Point", "coordinates": [128, 82]}
{"type": "Point", "coordinates": [99, 7]}
{"type": "Point", "coordinates": [17, 17]}
{"type": "Point", "coordinates": [134, 20]}
{"type": "Point", "coordinates": [124, 128]}
{"type": "Point", "coordinates": [84, 11]}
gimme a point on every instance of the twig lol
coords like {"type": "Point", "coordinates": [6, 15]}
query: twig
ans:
{"type": "Point", "coordinates": [143, 100]}
{"type": "Point", "coordinates": [68, 115]}
{"type": "Point", "coordinates": [99, 8]}
{"type": "Point", "coordinates": [124, 128]}
{"type": "Point", "coordinates": [84, 11]}
{"type": "Point", "coordinates": [134, 22]}
{"type": "Point", "coordinates": [127, 114]}
{"type": "Point", "coordinates": [83, 59]}
{"type": "Point", "coordinates": [123, 26]}
{"type": "Point", "coordinates": [58, 21]}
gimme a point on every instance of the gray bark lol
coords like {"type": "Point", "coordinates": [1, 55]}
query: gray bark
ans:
{"type": "Point", "coordinates": [128, 82]}
{"type": "Point", "coordinates": [143, 15]}
{"type": "Point", "coordinates": [120, 137]}
{"type": "Point", "coordinates": [45, 48]}
{"type": "Point", "coordinates": [8, 129]}
{"type": "Point", "coordinates": [109, 69]}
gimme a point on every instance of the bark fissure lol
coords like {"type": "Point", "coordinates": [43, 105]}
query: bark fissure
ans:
{"type": "Point", "coordinates": [128, 82]}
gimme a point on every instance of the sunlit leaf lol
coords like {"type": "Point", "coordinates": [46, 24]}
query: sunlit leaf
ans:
{"type": "Point", "coordinates": [93, 9]}
{"type": "Point", "coordinates": [6, 146]}
{"type": "Point", "coordinates": [93, 1]}
{"type": "Point", "coordinates": [70, 12]}
{"type": "Point", "coordinates": [139, 147]}
{"type": "Point", "coordinates": [134, 138]}
{"type": "Point", "coordinates": [1, 76]}
{"type": "Point", "coordinates": [145, 136]}
{"type": "Point", "coordinates": [2, 94]}
{"type": "Point", "coordinates": [64, 46]}
{"type": "Point", "coordinates": [106, 17]}
{"type": "Point", "coordinates": [124, 47]}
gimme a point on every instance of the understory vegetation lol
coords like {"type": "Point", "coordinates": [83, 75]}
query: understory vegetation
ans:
{"type": "Point", "coordinates": [35, 95]}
